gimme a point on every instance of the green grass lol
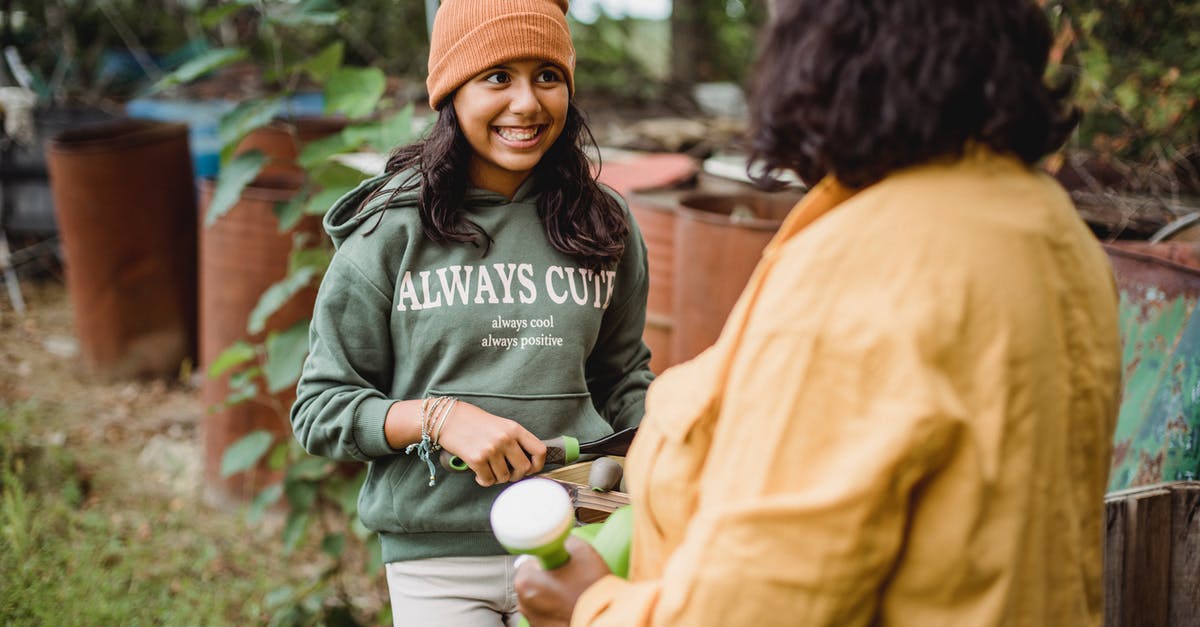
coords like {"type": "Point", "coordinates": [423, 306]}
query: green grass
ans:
{"type": "Point", "coordinates": [62, 566]}
{"type": "Point", "coordinates": [80, 545]}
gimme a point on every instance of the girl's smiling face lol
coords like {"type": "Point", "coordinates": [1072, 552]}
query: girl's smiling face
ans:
{"type": "Point", "coordinates": [511, 114]}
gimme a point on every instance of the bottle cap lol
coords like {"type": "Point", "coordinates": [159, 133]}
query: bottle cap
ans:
{"type": "Point", "coordinates": [531, 514]}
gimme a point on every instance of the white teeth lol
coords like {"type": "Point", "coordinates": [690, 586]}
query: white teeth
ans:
{"type": "Point", "coordinates": [517, 134]}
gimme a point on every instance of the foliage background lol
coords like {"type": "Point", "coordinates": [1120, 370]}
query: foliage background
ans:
{"type": "Point", "coordinates": [1138, 76]}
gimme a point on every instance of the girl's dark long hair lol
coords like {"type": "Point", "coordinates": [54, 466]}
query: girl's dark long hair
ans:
{"type": "Point", "coordinates": [861, 88]}
{"type": "Point", "coordinates": [580, 218]}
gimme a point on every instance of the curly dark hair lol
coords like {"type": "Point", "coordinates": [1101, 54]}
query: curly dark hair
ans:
{"type": "Point", "coordinates": [861, 88]}
{"type": "Point", "coordinates": [580, 218]}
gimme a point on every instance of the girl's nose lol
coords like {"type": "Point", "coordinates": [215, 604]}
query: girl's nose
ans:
{"type": "Point", "coordinates": [524, 98]}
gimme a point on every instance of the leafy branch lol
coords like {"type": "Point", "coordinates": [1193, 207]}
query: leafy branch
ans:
{"type": "Point", "coordinates": [319, 496]}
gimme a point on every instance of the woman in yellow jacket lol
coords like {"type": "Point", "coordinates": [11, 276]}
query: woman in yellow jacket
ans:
{"type": "Point", "coordinates": [907, 417]}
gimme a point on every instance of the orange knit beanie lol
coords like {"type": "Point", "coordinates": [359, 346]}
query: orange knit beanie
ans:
{"type": "Point", "coordinates": [470, 36]}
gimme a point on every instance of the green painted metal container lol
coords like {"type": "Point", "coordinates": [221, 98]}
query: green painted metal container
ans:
{"type": "Point", "coordinates": [1157, 437]}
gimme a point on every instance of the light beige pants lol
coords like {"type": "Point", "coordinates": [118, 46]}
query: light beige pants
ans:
{"type": "Point", "coordinates": [453, 592]}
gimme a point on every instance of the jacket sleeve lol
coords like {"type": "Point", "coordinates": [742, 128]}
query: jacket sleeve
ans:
{"type": "Point", "coordinates": [819, 447]}
{"type": "Point", "coordinates": [618, 367]}
{"type": "Point", "coordinates": [339, 410]}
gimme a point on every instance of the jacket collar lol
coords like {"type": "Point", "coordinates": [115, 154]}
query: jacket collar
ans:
{"type": "Point", "coordinates": [819, 200]}
{"type": "Point", "coordinates": [829, 193]}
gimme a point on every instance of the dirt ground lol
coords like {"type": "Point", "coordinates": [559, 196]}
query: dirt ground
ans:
{"type": "Point", "coordinates": [152, 422]}
{"type": "Point", "coordinates": [137, 449]}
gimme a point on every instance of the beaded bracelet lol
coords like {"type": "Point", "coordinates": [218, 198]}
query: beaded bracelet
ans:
{"type": "Point", "coordinates": [431, 408]}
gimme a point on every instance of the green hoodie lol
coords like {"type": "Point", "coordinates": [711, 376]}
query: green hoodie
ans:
{"type": "Point", "coordinates": [523, 332]}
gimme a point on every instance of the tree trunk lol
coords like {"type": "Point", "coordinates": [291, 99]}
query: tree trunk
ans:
{"type": "Point", "coordinates": [690, 42]}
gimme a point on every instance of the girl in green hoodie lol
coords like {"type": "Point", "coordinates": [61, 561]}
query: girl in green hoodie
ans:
{"type": "Point", "coordinates": [486, 293]}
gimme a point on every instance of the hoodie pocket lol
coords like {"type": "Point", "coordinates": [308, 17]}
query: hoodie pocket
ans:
{"type": "Point", "coordinates": [388, 482]}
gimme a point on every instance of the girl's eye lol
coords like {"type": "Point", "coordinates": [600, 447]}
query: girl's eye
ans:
{"type": "Point", "coordinates": [548, 76]}
{"type": "Point", "coordinates": [497, 77]}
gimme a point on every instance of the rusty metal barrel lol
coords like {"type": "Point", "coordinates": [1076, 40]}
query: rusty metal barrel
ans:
{"type": "Point", "coordinates": [644, 180]}
{"type": "Point", "coordinates": [241, 255]}
{"type": "Point", "coordinates": [125, 203]}
{"type": "Point", "coordinates": [281, 141]}
{"type": "Point", "coordinates": [719, 238]}
{"type": "Point", "coordinates": [657, 223]}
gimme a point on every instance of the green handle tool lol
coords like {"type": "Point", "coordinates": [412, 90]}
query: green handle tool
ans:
{"type": "Point", "coordinates": [564, 449]}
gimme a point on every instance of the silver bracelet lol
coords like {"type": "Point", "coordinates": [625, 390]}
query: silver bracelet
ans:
{"type": "Point", "coordinates": [437, 433]}
{"type": "Point", "coordinates": [426, 447]}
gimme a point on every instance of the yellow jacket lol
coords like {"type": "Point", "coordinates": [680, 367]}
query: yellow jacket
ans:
{"type": "Point", "coordinates": [906, 421]}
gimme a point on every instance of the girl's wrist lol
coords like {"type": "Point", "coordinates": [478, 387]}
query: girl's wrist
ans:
{"type": "Point", "coordinates": [402, 425]}
{"type": "Point", "coordinates": [433, 411]}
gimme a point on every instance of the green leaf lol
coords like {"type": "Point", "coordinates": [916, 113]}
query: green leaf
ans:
{"type": "Point", "coordinates": [246, 117]}
{"type": "Point", "coordinates": [278, 597]}
{"type": "Point", "coordinates": [245, 453]}
{"type": "Point", "coordinates": [333, 174]}
{"type": "Point", "coordinates": [285, 356]}
{"type": "Point", "coordinates": [1127, 95]}
{"type": "Point", "coordinates": [264, 499]}
{"type": "Point", "coordinates": [395, 130]}
{"type": "Point", "coordinates": [241, 395]}
{"type": "Point", "coordinates": [279, 455]}
{"type": "Point", "coordinates": [232, 179]}
{"type": "Point", "coordinates": [307, 14]}
{"type": "Point", "coordinates": [242, 386]}
{"type": "Point", "coordinates": [334, 544]}
{"type": "Point", "coordinates": [237, 354]}
{"type": "Point", "coordinates": [343, 491]}
{"type": "Point", "coordinates": [277, 296]}
{"type": "Point", "coordinates": [199, 66]}
{"type": "Point", "coordinates": [336, 180]}
{"type": "Point", "coordinates": [325, 63]}
{"type": "Point", "coordinates": [300, 240]}
{"type": "Point", "coordinates": [360, 134]}
{"type": "Point", "coordinates": [317, 151]}
{"type": "Point", "coordinates": [301, 495]}
{"type": "Point", "coordinates": [317, 258]}
{"type": "Point", "coordinates": [291, 211]}
{"type": "Point", "coordinates": [354, 91]}
{"type": "Point", "coordinates": [211, 17]}
{"type": "Point", "coordinates": [309, 469]}
{"type": "Point", "coordinates": [320, 202]}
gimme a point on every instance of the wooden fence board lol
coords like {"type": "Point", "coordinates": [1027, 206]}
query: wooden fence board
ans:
{"type": "Point", "coordinates": [1148, 560]}
{"type": "Point", "coordinates": [1152, 556]}
{"type": "Point", "coordinates": [1114, 562]}
{"type": "Point", "coordinates": [1185, 556]}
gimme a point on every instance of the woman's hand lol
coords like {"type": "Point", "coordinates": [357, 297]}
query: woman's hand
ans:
{"type": "Point", "coordinates": [497, 449]}
{"type": "Point", "coordinates": [547, 597]}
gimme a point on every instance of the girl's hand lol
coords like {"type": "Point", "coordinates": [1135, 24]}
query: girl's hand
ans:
{"type": "Point", "coordinates": [547, 597]}
{"type": "Point", "coordinates": [497, 449]}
